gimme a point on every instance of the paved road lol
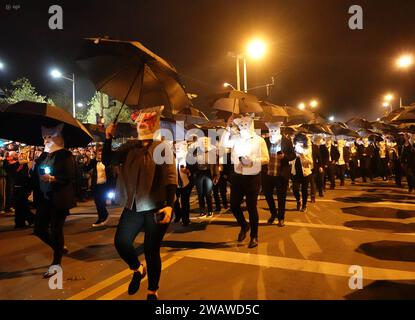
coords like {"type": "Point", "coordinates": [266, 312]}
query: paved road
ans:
{"type": "Point", "coordinates": [368, 225]}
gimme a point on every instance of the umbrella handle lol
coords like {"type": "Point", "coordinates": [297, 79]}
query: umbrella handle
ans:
{"type": "Point", "coordinates": [128, 93]}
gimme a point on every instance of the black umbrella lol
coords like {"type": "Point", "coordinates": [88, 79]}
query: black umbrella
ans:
{"type": "Point", "coordinates": [22, 121]}
{"type": "Point", "coordinates": [340, 131]}
{"type": "Point", "coordinates": [129, 72]}
{"type": "Point", "coordinates": [357, 123]}
{"type": "Point", "coordinates": [406, 116]}
{"type": "Point", "coordinates": [314, 128]}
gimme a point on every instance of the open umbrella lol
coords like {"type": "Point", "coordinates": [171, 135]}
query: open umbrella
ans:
{"type": "Point", "coordinates": [237, 102]}
{"type": "Point", "coordinates": [131, 73]}
{"type": "Point", "coordinates": [358, 123]}
{"type": "Point", "coordinates": [273, 113]}
{"type": "Point", "coordinates": [314, 128]}
{"type": "Point", "coordinates": [340, 131]}
{"type": "Point", "coordinates": [190, 115]}
{"type": "Point", "coordinates": [406, 116]}
{"type": "Point", "coordinates": [367, 133]}
{"type": "Point", "coordinates": [297, 116]}
{"type": "Point", "coordinates": [22, 121]}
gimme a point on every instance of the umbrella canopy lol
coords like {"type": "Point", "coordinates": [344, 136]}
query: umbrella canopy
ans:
{"type": "Point", "coordinates": [367, 133]}
{"type": "Point", "coordinates": [406, 116]}
{"type": "Point", "coordinates": [358, 123]}
{"type": "Point", "coordinates": [407, 127]}
{"type": "Point", "coordinates": [314, 129]}
{"type": "Point", "coordinates": [289, 131]}
{"type": "Point", "coordinates": [340, 131]}
{"type": "Point", "coordinates": [129, 72]}
{"type": "Point", "coordinates": [237, 102]}
{"type": "Point", "coordinates": [393, 114]}
{"type": "Point", "coordinates": [190, 115]}
{"type": "Point", "coordinates": [22, 121]}
{"type": "Point", "coordinates": [384, 128]}
{"type": "Point", "coordinates": [273, 113]}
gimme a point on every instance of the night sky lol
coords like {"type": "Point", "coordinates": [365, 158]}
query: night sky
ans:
{"type": "Point", "coordinates": [312, 52]}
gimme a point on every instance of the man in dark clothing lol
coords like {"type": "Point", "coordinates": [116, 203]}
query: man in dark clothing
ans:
{"type": "Point", "coordinates": [318, 166]}
{"type": "Point", "coordinates": [408, 162]}
{"type": "Point", "coordinates": [10, 166]}
{"type": "Point", "coordinates": [278, 173]}
{"type": "Point", "coordinates": [21, 194]}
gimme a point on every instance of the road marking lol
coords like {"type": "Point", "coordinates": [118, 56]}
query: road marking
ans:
{"type": "Point", "coordinates": [122, 289]}
{"type": "Point", "coordinates": [305, 243]}
{"type": "Point", "coordinates": [312, 266]}
{"type": "Point", "coordinates": [103, 284]}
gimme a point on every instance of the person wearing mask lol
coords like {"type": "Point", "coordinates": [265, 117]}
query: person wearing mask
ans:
{"type": "Point", "coordinates": [220, 187]}
{"type": "Point", "coordinates": [408, 161]}
{"type": "Point", "coordinates": [366, 153]}
{"type": "Point", "coordinates": [281, 152]}
{"type": "Point", "coordinates": [205, 171]}
{"type": "Point", "coordinates": [383, 160]}
{"type": "Point", "coordinates": [147, 188]}
{"type": "Point", "coordinates": [330, 157]}
{"type": "Point", "coordinates": [343, 161]}
{"type": "Point", "coordinates": [53, 181]}
{"type": "Point", "coordinates": [301, 171]}
{"type": "Point", "coordinates": [354, 161]}
{"type": "Point", "coordinates": [184, 185]}
{"type": "Point", "coordinates": [394, 161]}
{"type": "Point", "coordinates": [10, 164]}
{"type": "Point", "coordinates": [21, 193]}
{"type": "Point", "coordinates": [102, 182]}
{"type": "Point", "coordinates": [249, 153]}
{"type": "Point", "coordinates": [318, 164]}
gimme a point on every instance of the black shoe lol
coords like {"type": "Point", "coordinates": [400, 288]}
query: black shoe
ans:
{"type": "Point", "coordinates": [298, 205]}
{"type": "Point", "coordinates": [202, 215]}
{"type": "Point", "coordinates": [281, 223]}
{"type": "Point", "coordinates": [185, 224]}
{"type": "Point", "coordinates": [152, 296]}
{"type": "Point", "coordinates": [49, 273]}
{"type": "Point", "coordinates": [218, 210]}
{"type": "Point", "coordinates": [23, 226]}
{"type": "Point", "coordinates": [135, 281]}
{"type": "Point", "coordinates": [210, 213]}
{"type": "Point", "coordinates": [253, 243]}
{"type": "Point", "coordinates": [321, 195]}
{"type": "Point", "coordinates": [271, 220]}
{"type": "Point", "coordinates": [65, 250]}
{"type": "Point", "coordinates": [242, 234]}
{"type": "Point", "coordinates": [304, 209]}
{"type": "Point", "coordinates": [313, 200]}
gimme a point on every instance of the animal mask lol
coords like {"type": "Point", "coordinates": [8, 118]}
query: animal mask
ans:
{"type": "Point", "coordinates": [274, 132]}
{"type": "Point", "coordinates": [246, 126]}
{"type": "Point", "coordinates": [53, 138]}
{"type": "Point", "coordinates": [341, 143]}
{"type": "Point", "coordinates": [148, 123]}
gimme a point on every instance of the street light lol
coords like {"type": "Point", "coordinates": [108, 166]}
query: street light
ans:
{"type": "Point", "coordinates": [301, 106]}
{"type": "Point", "coordinates": [55, 73]}
{"type": "Point", "coordinates": [405, 61]}
{"type": "Point", "coordinates": [389, 97]}
{"type": "Point", "coordinates": [79, 104]}
{"type": "Point", "coordinates": [228, 85]}
{"type": "Point", "coordinates": [255, 49]}
{"type": "Point", "coordinates": [331, 118]}
{"type": "Point", "coordinates": [1, 65]}
{"type": "Point", "coordinates": [313, 103]}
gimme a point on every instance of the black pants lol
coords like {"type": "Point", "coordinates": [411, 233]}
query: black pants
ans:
{"type": "Point", "coordinates": [219, 193]}
{"type": "Point", "coordinates": [301, 183]}
{"type": "Point", "coordinates": [353, 166]}
{"type": "Point", "coordinates": [397, 171]}
{"type": "Point", "coordinates": [131, 223]}
{"type": "Point", "coordinates": [331, 175]}
{"type": "Point", "coordinates": [100, 198]}
{"type": "Point", "coordinates": [366, 170]}
{"type": "Point", "coordinates": [319, 181]}
{"type": "Point", "coordinates": [22, 213]}
{"type": "Point", "coordinates": [246, 186]}
{"type": "Point", "coordinates": [9, 193]}
{"type": "Point", "coordinates": [383, 168]}
{"type": "Point", "coordinates": [341, 171]}
{"type": "Point", "coordinates": [49, 228]}
{"type": "Point", "coordinates": [204, 186]}
{"type": "Point", "coordinates": [182, 204]}
{"type": "Point", "coordinates": [269, 184]}
{"type": "Point", "coordinates": [313, 186]}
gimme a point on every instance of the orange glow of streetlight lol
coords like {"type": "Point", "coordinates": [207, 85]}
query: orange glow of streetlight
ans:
{"type": "Point", "coordinates": [256, 49]}
{"type": "Point", "coordinates": [385, 104]}
{"type": "Point", "coordinates": [389, 97]}
{"type": "Point", "coordinates": [313, 103]}
{"type": "Point", "coordinates": [301, 106]}
{"type": "Point", "coordinates": [405, 61]}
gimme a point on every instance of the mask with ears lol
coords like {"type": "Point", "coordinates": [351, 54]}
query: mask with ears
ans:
{"type": "Point", "coordinates": [246, 126]}
{"type": "Point", "coordinates": [274, 132]}
{"type": "Point", "coordinates": [53, 138]}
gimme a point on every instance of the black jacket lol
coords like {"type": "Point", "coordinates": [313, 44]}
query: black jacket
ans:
{"type": "Point", "coordinates": [62, 194]}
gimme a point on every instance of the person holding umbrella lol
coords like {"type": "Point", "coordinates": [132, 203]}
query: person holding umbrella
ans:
{"type": "Point", "coordinates": [147, 189]}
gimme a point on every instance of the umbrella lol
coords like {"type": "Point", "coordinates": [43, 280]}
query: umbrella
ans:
{"type": "Point", "coordinates": [384, 128]}
{"type": "Point", "coordinates": [357, 123]}
{"type": "Point", "coordinates": [314, 129]}
{"type": "Point", "coordinates": [393, 114]}
{"type": "Point", "coordinates": [407, 127]}
{"type": "Point", "coordinates": [129, 72]}
{"type": "Point", "coordinates": [22, 121]}
{"type": "Point", "coordinates": [288, 131]}
{"type": "Point", "coordinates": [190, 115]}
{"type": "Point", "coordinates": [237, 102]}
{"type": "Point", "coordinates": [367, 133]}
{"type": "Point", "coordinates": [340, 131]}
{"type": "Point", "coordinates": [273, 112]}
{"type": "Point", "coordinates": [406, 116]}
{"type": "Point", "coordinates": [297, 116]}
